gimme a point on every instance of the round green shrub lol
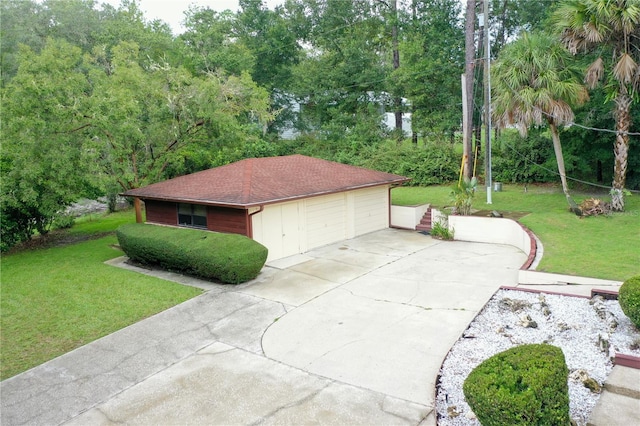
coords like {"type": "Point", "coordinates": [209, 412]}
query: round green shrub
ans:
{"type": "Point", "coordinates": [524, 385]}
{"type": "Point", "coordinates": [629, 298]}
{"type": "Point", "coordinates": [230, 258]}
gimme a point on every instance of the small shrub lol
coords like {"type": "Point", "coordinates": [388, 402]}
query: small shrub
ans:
{"type": "Point", "coordinates": [441, 231]}
{"type": "Point", "coordinates": [64, 221]}
{"type": "Point", "coordinates": [524, 385]}
{"type": "Point", "coordinates": [629, 298]}
{"type": "Point", "coordinates": [463, 194]}
{"type": "Point", "coordinates": [230, 258]}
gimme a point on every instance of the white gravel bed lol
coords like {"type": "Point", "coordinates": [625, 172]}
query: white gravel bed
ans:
{"type": "Point", "coordinates": [589, 332]}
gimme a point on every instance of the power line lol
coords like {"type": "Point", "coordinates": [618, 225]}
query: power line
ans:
{"type": "Point", "coordinates": [597, 129]}
{"type": "Point", "coordinates": [555, 172]}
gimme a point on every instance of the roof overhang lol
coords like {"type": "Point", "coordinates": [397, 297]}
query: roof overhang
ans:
{"type": "Point", "coordinates": [206, 202]}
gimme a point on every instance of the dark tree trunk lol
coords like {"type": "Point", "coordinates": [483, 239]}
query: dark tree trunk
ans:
{"type": "Point", "coordinates": [621, 150]}
{"type": "Point", "coordinates": [470, 54]}
{"type": "Point", "coordinates": [397, 102]}
{"type": "Point", "coordinates": [478, 114]}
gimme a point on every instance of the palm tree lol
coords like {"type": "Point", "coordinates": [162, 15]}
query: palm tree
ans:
{"type": "Point", "coordinates": [533, 84]}
{"type": "Point", "coordinates": [611, 29]}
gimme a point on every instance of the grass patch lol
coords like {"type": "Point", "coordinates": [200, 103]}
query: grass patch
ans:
{"type": "Point", "coordinates": [599, 246]}
{"type": "Point", "coordinates": [101, 222]}
{"type": "Point", "coordinates": [56, 299]}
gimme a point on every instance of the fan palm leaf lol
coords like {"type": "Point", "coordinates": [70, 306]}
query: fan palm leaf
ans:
{"type": "Point", "coordinates": [611, 26]}
{"type": "Point", "coordinates": [533, 84]}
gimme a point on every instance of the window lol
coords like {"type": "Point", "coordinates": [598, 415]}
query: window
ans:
{"type": "Point", "coordinates": [192, 215]}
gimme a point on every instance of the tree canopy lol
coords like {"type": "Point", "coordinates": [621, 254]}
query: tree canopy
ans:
{"type": "Point", "coordinates": [98, 99]}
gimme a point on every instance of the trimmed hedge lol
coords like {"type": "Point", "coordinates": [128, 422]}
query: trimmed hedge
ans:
{"type": "Point", "coordinates": [629, 299]}
{"type": "Point", "coordinates": [524, 385]}
{"type": "Point", "coordinates": [230, 258]}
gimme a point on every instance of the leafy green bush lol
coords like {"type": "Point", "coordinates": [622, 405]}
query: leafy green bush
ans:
{"type": "Point", "coordinates": [230, 258]}
{"type": "Point", "coordinates": [431, 164]}
{"type": "Point", "coordinates": [629, 298]}
{"type": "Point", "coordinates": [525, 160]}
{"type": "Point", "coordinates": [63, 221]}
{"type": "Point", "coordinates": [440, 230]}
{"type": "Point", "coordinates": [524, 385]}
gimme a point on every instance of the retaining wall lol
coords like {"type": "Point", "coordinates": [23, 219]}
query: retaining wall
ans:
{"type": "Point", "coordinates": [490, 230]}
{"type": "Point", "coordinates": [407, 217]}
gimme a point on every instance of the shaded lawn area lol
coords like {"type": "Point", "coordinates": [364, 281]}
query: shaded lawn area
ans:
{"type": "Point", "coordinates": [596, 246]}
{"type": "Point", "coordinates": [59, 298]}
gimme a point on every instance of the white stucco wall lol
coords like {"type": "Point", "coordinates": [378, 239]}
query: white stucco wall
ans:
{"type": "Point", "coordinates": [490, 230]}
{"type": "Point", "coordinates": [407, 217]}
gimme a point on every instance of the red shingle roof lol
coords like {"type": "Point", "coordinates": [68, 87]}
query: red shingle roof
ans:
{"type": "Point", "coordinates": [257, 181]}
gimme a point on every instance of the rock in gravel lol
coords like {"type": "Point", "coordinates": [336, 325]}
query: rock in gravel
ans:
{"type": "Point", "coordinates": [514, 305]}
{"type": "Point", "coordinates": [582, 376]}
{"type": "Point", "coordinates": [453, 411]}
{"type": "Point", "coordinates": [527, 322]}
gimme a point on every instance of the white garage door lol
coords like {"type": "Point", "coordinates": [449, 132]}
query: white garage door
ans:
{"type": "Point", "coordinates": [296, 227]}
{"type": "Point", "coordinates": [371, 209]}
{"type": "Point", "coordinates": [278, 229]}
{"type": "Point", "coordinates": [326, 219]}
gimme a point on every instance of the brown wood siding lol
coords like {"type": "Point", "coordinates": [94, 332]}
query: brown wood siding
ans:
{"type": "Point", "coordinates": [161, 212]}
{"type": "Point", "coordinates": [233, 221]}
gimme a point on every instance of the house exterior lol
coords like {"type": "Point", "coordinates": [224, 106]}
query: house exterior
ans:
{"type": "Point", "coordinates": [289, 204]}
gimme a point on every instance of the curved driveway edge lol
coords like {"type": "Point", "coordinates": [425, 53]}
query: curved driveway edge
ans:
{"type": "Point", "coordinates": [352, 333]}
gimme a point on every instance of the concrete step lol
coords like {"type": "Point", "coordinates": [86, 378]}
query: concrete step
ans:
{"type": "Point", "coordinates": [425, 222]}
{"type": "Point", "coordinates": [615, 410]}
{"type": "Point", "coordinates": [624, 381]}
{"type": "Point", "coordinates": [619, 403]}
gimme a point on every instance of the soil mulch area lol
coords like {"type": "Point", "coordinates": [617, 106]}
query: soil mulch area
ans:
{"type": "Point", "coordinates": [58, 238]}
{"type": "Point", "coordinates": [505, 214]}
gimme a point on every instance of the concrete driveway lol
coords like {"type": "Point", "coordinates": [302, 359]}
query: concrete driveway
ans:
{"type": "Point", "coordinates": [351, 333]}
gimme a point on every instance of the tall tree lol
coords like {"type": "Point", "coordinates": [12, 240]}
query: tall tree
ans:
{"type": "Point", "coordinates": [397, 100]}
{"type": "Point", "coordinates": [268, 36]}
{"type": "Point", "coordinates": [341, 80]}
{"type": "Point", "coordinates": [433, 55]}
{"type": "Point", "coordinates": [211, 45]}
{"type": "Point", "coordinates": [272, 42]}
{"type": "Point", "coordinates": [511, 17]}
{"type": "Point", "coordinates": [127, 23]}
{"type": "Point", "coordinates": [611, 28]}
{"type": "Point", "coordinates": [533, 83]}
{"type": "Point", "coordinates": [142, 118]}
{"type": "Point", "coordinates": [44, 165]}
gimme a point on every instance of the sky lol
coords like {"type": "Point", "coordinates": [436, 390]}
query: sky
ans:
{"type": "Point", "coordinates": [171, 11]}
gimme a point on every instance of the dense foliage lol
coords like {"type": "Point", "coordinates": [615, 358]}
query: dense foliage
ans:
{"type": "Point", "coordinates": [97, 99]}
{"type": "Point", "coordinates": [230, 258]}
{"type": "Point", "coordinates": [629, 297]}
{"type": "Point", "coordinates": [524, 385]}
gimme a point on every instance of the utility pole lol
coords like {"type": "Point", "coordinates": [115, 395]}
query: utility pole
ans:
{"type": "Point", "coordinates": [487, 98]}
{"type": "Point", "coordinates": [467, 88]}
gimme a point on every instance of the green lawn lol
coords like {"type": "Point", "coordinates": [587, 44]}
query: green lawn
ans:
{"type": "Point", "coordinates": [59, 298]}
{"type": "Point", "coordinates": [601, 247]}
